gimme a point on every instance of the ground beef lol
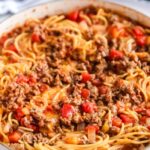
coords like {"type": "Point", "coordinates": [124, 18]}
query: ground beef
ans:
{"type": "Point", "coordinates": [17, 146]}
{"type": "Point", "coordinates": [38, 138]}
{"type": "Point", "coordinates": [127, 92]}
{"type": "Point", "coordinates": [43, 72]}
{"type": "Point", "coordinates": [11, 100]}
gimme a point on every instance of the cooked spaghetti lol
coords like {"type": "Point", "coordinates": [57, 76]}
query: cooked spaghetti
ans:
{"type": "Point", "coordinates": [76, 81]}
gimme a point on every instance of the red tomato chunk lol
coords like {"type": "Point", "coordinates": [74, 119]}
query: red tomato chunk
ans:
{"type": "Point", "coordinates": [92, 127]}
{"type": "Point", "coordinates": [73, 16]}
{"type": "Point", "coordinates": [36, 37]}
{"type": "Point", "coordinates": [115, 55]}
{"type": "Point", "coordinates": [67, 110]}
{"type": "Point", "coordinates": [86, 77]}
{"type": "Point", "coordinates": [116, 122]}
{"type": "Point", "coordinates": [89, 107]}
{"type": "Point", "coordinates": [19, 113]}
{"type": "Point", "coordinates": [85, 93]}
{"type": "Point", "coordinates": [126, 119]}
{"type": "Point", "coordinates": [14, 137]}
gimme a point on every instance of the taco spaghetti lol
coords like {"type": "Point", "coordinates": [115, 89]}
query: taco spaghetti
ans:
{"type": "Point", "coordinates": [76, 81]}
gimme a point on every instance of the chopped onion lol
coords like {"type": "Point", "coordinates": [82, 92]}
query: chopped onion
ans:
{"type": "Point", "coordinates": [91, 135]}
{"type": "Point", "coordinates": [6, 128]}
{"type": "Point", "coordinates": [80, 126]}
{"type": "Point", "coordinates": [72, 140]}
{"type": "Point", "coordinates": [83, 25]}
{"type": "Point", "coordinates": [148, 121]}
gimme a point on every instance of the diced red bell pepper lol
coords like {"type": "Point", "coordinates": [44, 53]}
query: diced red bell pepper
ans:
{"type": "Point", "coordinates": [67, 110]}
{"type": "Point", "coordinates": [85, 93]}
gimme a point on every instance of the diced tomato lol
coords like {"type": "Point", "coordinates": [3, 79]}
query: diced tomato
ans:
{"type": "Point", "coordinates": [147, 112]}
{"type": "Point", "coordinates": [89, 107]}
{"type": "Point", "coordinates": [148, 40]}
{"type": "Point", "coordinates": [138, 110]}
{"type": "Point", "coordinates": [138, 31]}
{"type": "Point", "coordinates": [19, 113]}
{"type": "Point", "coordinates": [27, 123]}
{"type": "Point", "coordinates": [141, 40]}
{"type": "Point", "coordinates": [126, 119]}
{"type": "Point", "coordinates": [22, 121]}
{"type": "Point", "coordinates": [14, 137]}
{"type": "Point", "coordinates": [85, 93]}
{"type": "Point", "coordinates": [73, 15]}
{"type": "Point", "coordinates": [116, 32]}
{"type": "Point", "coordinates": [12, 60]}
{"type": "Point", "coordinates": [33, 127]}
{"type": "Point", "coordinates": [26, 79]}
{"type": "Point", "coordinates": [96, 82]}
{"type": "Point", "coordinates": [103, 89]}
{"type": "Point", "coordinates": [11, 47]}
{"type": "Point", "coordinates": [3, 39]}
{"type": "Point", "coordinates": [113, 31]}
{"type": "Point", "coordinates": [49, 108]}
{"type": "Point", "coordinates": [36, 37]}
{"type": "Point", "coordinates": [43, 88]}
{"type": "Point", "coordinates": [86, 77]}
{"type": "Point", "coordinates": [1, 137]}
{"type": "Point", "coordinates": [115, 55]}
{"type": "Point", "coordinates": [143, 120]}
{"type": "Point", "coordinates": [67, 110]}
{"type": "Point", "coordinates": [116, 122]}
{"type": "Point", "coordinates": [31, 80]}
{"type": "Point", "coordinates": [22, 79]}
{"type": "Point", "coordinates": [92, 127]}
{"type": "Point", "coordinates": [72, 140]}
